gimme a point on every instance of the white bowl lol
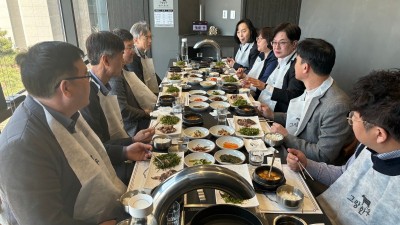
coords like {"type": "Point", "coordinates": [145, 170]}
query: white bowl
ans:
{"type": "Point", "coordinates": [198, 106]}
{"type": "Point", "coordinates": [194, 75]}
{"type": "Point", "coordinates": [189, 132]}
{"type": "Point", "coordinates": [214, 130]}
{"type": "Point", "coordinates": [198, 156]}
{"type": "Point", "coordinates": [194, 80]}
{"type": "Point", "coordinates": [208, 84]}
{"type": "Point", "coordinates": [229, 139]}
{"type": "Point", "coordinates": [216, 92]}
{"type": "Point", "coordinates": [215, 79]}
{"type": "Point", "coordinates": [213, 74]}
{"type": "Point", "coordinates": [197, 92]}
{"type": "Point", "coordinates": [236, 153]}
{"type": "Point", "coordinates": [201, 143]}
{"type": "Point", "coordinates": [198, 98]}
{"type": "Point", "coordinates": [222, 98]}
{"type": "Point", "coordinates": [219, 104]}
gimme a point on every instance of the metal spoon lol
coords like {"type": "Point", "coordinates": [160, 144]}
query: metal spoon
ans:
{"type": "Point", "coordinates": [272, 163]}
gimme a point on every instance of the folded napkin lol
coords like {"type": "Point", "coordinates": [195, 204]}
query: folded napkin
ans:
{"type": "Point", "coordinates": [161, 110]}
{"type": "Point", "coordinates": [257, 144]}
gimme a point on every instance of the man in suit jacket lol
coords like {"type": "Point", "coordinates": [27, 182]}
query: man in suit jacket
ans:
{"type": "Point", "coordinates": [53, 167]}
{"type": "Point", "coordinates": [105, 52]}
{"type": "Point", "coordinates": [315, 122]}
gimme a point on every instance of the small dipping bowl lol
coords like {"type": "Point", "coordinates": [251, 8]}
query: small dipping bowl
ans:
{"type": "Point", "coordinates": [288, 220]}
{"type": "Point", "coordinates": [124, 199]}
{"type": "Point", "coordinates": [273, 139]}
{"type": "Point", "coordinates": [289, 196]}
{"type": "Point", "coordinates": [140, 205]}
{"type": "Point", "coordinates": [162, 142]}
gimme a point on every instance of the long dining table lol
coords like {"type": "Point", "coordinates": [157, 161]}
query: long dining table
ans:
{"type": "Point", "coordinates": [192, 202]}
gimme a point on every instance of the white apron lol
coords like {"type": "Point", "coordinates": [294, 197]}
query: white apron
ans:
{"type": "Point", "coordinates": [112, 112]}
{"type": "Point", "coordinates": [257, 68]}
{"type": "Point", "coordinates": [362, 195]}
{"type": "Point", "coordinates": [144, 96]}
{"type": "Point", "coordinates": [276, 80]}
{"type": "Point", "coordinates": [242, 55]}
{"type": "Point", "coordinates": [298, 107]}
{"type": "Point", "coordinates": [149, 74]}
{"type": "Point", "coordinates": [89, 160]}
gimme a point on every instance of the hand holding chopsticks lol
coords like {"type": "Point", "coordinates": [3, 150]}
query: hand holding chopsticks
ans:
{"type": "Point", "coordinates": [303, 168]}
{"type": "Point", "coordinates": [295, 160]}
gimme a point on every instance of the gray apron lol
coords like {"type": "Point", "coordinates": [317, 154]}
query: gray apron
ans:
{"type": "Point", "coordinates": [362, 195]}
{"type": "Point", "coordinates": [149, 74]}
{"type": "Point", "coordinates": [144, 96]}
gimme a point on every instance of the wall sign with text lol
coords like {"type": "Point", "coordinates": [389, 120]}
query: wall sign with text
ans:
{"type": "Point", "coordinates": [163, 13]}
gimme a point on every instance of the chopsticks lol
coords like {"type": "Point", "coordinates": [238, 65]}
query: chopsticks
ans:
{"type": "Point", "coordinates": [154, 126]}
{"type": "Point", "coordinates": [303, 168]}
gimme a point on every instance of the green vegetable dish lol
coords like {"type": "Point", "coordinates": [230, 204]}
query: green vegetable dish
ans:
{"type": "Point", "coordinates": [230, 79]}
{"type": "Point", "coordinates": [175, 77]}
{"type": "Point", "coordinates": [172, 89]}
{"type": "Point", "coordinates": [219, 64]}
{"type": "Point", "coordinates": [230, 159]}
{"type": "Point", "coordinates": [229, 199]}
{"type": "Point", "coordinates": [197, 162]}
{"type": "Point", "coordinates": [240, 102]}
{"type": "Point", "coordinates": [166, 161]}
{"type": "Point", "coordinates": [249, 131]}
{"type": "Point", "coordinates": [181, 63]}
{"type": "Point", "coordinates": [169, 120]}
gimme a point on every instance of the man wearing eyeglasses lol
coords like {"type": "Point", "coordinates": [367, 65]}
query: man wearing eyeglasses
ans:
{"type": "Point", "coordinates": [314, 122]}
{"type": "Point", "coordinates": [365, 190]}
{"type": "Point", "coordinates": [143, 65]}
{"type": "Point", "coordinates": [53, 167]}
{"type": "Point", "coordinates": [105, 52]}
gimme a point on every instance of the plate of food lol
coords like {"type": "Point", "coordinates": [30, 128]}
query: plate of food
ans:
{"type": "Point", "coordinates": [217, 98]}
{"type": "Point", "coordinates": [215, 79]}
{"type": "Point", "coordinates": [216, 92]}
{"type": "Point", "coordinates": [198, 98]}
{"type": "Point", "coordinates": [226, 156]}
{"type": "Point", "coordinates": [224, 198]}
{"type": "Point", "coordinates": [169, 124]}
{"type": "Point", "coordinates": [194, 80]}
{"type": "Point", "coordinates": [175, 77]}
{"type": "Point", "coordinates": [197, 92]}
{"type": "Point", "coordinates": [162, 166]}
{"type": "Point", "coordinates": [221, 130]}
{"type": "Point", "coordinates": [208, 84]}
{"type": "Point", "coordinates": [248, 127]}
{"type": "Point", "coordinates": [199, 158]}
{"type": "Point", "coordinates": [229, 142]}
{"type": "Point", "coordinates": [198, 106]}
{"type": "Point", "coordinates": [172, 90]}
{"type": "Point", "coordinates": [219, 105]}
{"type": "Point", "coordinates": [230, 79]}
{"type": "Point", "coordinates": [196, 132]}
{"type": "Point", "coordinates": [201, 145]}
{"type": "Point", "coordinates": [238, 99]}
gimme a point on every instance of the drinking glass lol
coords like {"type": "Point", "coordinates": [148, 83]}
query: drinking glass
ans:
{"type": "Point", "coordinates": [177, 106]}
{"type": "Point", "coordinates": [222, 115]}
{"type": "Point", "coordinates": [256, 158]}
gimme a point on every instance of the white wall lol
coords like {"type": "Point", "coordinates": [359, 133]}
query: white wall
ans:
{"type": "Point", "coordinates": [365, 33]}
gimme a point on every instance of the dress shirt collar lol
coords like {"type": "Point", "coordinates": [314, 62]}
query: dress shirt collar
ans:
{"type": "Point", "coordinates": [104, 89]}
{"type": "Point", "coordinates": [287, 59]}
{"type": "Point", "coordinates": [68, 123]}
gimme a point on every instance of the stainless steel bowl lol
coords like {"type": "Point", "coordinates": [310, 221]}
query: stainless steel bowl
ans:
{"type": "Point", "coordinates": [289, 196]}
{"type": "Point", "coordinates": [273, 139]}
{"type": "Point", "coordinates": [126, 196]}
{"type": "Point", "coordinates": [287, 219]}
{"type": "Point", "coordinates": [162, 142]}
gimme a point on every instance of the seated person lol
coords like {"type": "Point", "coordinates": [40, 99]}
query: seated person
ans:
{"type": "Point", "coordinates": [142, 65]}
{"type": "Point", "coordinates": [135, 99]}
{"type": "Point", "coordinates": [53, 167]}
{"type": "Point", "coordinates": [315, 121]}
{"type": "Point", "coordinates": [105, 51]}
{"type": "Point", "coordinates": [364, 190]}
{"type": "Point", "coordinates": [281, 85]}
{"type": "Point", "coordinates": [266, 61]}
{"type": "Point", "coordinates": [247, 53]}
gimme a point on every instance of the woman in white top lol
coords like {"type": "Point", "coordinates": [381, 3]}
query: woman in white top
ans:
{"type": "Point", "coordinates": [247, 53]}
{"type": "Point", "coordinates": [282, 84]}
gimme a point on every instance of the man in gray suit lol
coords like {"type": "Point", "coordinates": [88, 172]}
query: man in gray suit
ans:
{"type": "Point", "coordinates": [315, 122]}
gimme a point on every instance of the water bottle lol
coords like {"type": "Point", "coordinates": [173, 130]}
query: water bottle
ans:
{"type": "Point", "coordinates": [184, 50]}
